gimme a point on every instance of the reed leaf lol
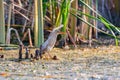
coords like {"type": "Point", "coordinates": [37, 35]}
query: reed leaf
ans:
{"type": "Point", "coordinates": [100, 16]}
{"type": "Point", "coordinates": [111, 35]}
{"type": "Point", "coordinates": [107, 24]}
{"type": "Point", "coordinates": [2, 23]}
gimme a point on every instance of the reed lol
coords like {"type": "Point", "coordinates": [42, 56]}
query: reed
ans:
{"type": "Point", "coordinates": [2, 23]}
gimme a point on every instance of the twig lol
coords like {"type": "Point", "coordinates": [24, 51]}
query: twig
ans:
{"type": "Point", "coordinates": [29, 8]}
{"type": "Point", "coordinates": [20, 51]}
{"type": "Point", "coordinates": [17, 35]}
{"type": "Point", "coordinates": [27, 53]}
{"type": "Point", "coordinates": [29, 36]}
{"type": "Point", "coordinates": [72, 40]}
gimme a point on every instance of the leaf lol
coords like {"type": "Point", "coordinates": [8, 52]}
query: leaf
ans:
{"type": "Point", "coordinates": [23, 62]}
{"type": "Point", "coordinates": [1, 48]}
{"type": "Point", "coordinates": [47, 76]}
{"type": "Point", "coordinates": [4, 74]}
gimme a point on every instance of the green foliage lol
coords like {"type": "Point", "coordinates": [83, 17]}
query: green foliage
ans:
{"type": "Point", "coordinates": [100, 18]}
{"type": "Point", "coordinates": [45, 5]}
{"type": "Point", "coordinates": [63, 14]}
{"type": "Point", "coordinates": [2, 23]}
{"type": "Point", "coordinates": [38, 30]}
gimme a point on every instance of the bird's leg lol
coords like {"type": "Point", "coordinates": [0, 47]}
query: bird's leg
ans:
{"type": "Point", "coordinates": [45, 56]}
{"type": "Point", "coordinates": [50, 55]}
{"type": "Point", "coordinates": [42, 55]}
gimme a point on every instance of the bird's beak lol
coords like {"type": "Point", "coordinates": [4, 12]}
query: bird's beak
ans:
{"type": "Point", "coordinates": [58, 28]}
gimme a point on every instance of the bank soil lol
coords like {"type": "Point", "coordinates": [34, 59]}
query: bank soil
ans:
{"type": "Point", "coordinates": [83, 63]}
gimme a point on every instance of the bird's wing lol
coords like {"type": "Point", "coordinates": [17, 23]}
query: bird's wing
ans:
{"type": "Point", "coordinates": [50, 42]}
{"type": "Point", "coordinates": [44, 45]}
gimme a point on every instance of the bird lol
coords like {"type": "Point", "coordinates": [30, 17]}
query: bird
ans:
{"type": "Point", "coordinates": [50, 42]}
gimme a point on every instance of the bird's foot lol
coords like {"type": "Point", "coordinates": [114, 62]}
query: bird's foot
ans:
{"type": "Point", "coordinates": [55, 57]}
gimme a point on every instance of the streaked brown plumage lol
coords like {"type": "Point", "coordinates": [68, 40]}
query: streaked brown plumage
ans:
{"type": "Point", "coordinates": [50, 42]}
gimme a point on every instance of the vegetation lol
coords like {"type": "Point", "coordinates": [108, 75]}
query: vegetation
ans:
{"type": "Point", "coordinates": [85, 23]}
{"type": "Point", "coordinates": [2, 23]}
{"type": "Point", "coordinates": [80, 18]}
